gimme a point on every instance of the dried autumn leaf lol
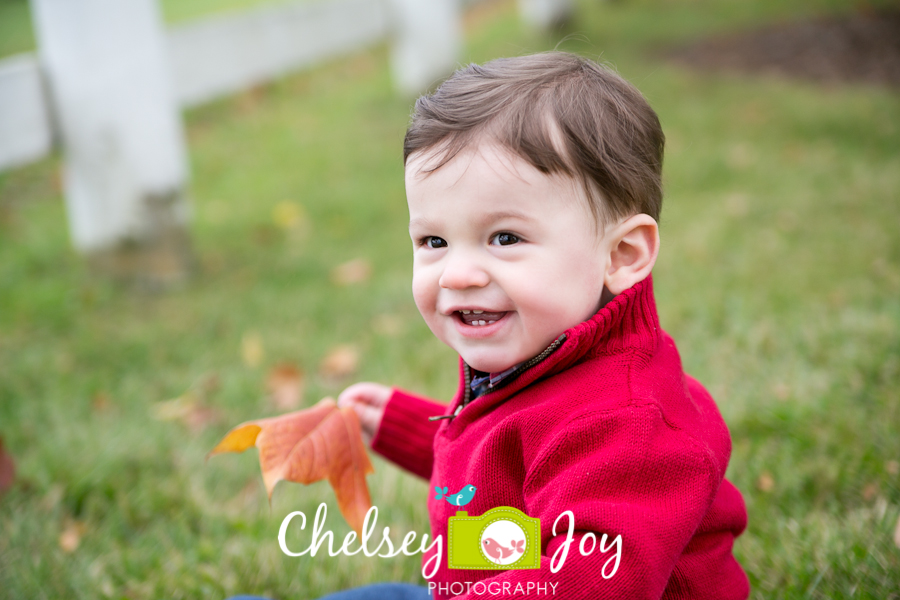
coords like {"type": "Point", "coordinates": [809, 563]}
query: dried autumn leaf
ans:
{"type": "Point", "coordinates": [285, 386]}
{"type": "Point", "coordinates": [354, 271]}
{"type": "Point", "coordinates": [101, 402]}
{"type": "Point", "coordinates": [765, 483]}
{"type": "Point", "coordinates": [288, 215]}
{"type": "Point", "coordinates": [7, 469]}
{"type": "Point", "coordinates": [341, 361]}
{"type": "Point", "coordinates": [252, 349]}
{"type": "Point", "coordinates": [305, 446]}
{"type": "Point", "coordinates": [188, 409]}
{"type": "Point", "coordinates": [388, 324]}
{"type": "Point", "coordinates": [868, 492]}
{"type": "Point", "coordinates": [782, 391]}
{"type": "Point", "coordinates": [251, 98]}
{"type": "Point", "coordinates": [201, 417]}
{"type": "Point", "coordinates": [70, 538]}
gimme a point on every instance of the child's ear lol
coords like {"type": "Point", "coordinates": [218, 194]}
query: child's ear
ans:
{"type": "Point", "coordinates": [633, 247]}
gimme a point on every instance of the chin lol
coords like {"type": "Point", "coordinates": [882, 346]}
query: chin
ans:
{"type": "Point", "coordinates": [488, 364]}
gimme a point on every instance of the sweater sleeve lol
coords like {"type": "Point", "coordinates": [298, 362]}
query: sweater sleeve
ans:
{"type": "Point", "coordinates": [627, 473]}
{"type": "Point", "coordinates": [405, 435]}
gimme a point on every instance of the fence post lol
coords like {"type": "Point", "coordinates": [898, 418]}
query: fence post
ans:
{"type": "Point", "coordinates": [25, 133]}
{"type": "Point", "coordinates": [545, 13]}
{"type": "Point", "coordinates": [427, 40]}
{"type": "Point", "coordinates": [124, 153]}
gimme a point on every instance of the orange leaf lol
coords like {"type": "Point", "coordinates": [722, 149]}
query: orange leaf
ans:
{"type": "Point", "coordinates": [309, 445]}
{"type": "Point", "coordinates": [341, 361]}
{"type": "Point", "coordinates": [765, 483]}
{"type": "Point", "coordinates": [71, 535]}
{"type": "Point", "coordinates": [285, 386]}
{"type": "Point", "coordinates": [388, 324]}
{"type": "Point", "coordinates": [354, 271]}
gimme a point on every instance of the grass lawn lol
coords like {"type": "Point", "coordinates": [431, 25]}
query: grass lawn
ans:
{"type": "Point", "coordinates": [779, 279]}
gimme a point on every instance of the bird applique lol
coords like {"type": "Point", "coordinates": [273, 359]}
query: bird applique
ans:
{"type": "Point", "coordinates": [494, 550]}
{"type": "Point", "coordinates": [460, 498]}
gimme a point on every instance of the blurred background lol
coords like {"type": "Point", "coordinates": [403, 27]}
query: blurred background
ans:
{"type": "Point", "coordinates": [202, 221]}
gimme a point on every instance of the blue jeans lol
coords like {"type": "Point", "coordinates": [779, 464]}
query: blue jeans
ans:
{"type": "Point", "coordinates": [376, 591]}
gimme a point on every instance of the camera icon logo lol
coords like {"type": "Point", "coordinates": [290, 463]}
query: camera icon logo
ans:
{"type": "Point", "coordinates": [502, 538]}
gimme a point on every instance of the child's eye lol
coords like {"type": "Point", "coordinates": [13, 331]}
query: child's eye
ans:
{"type": "Point", "coordinates": [505, 239]}
{"type": "Point", "coordinates": [432, 241]}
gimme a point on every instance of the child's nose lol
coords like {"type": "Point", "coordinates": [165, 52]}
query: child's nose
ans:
{"type": "Point", "coordinates": [462, 271]}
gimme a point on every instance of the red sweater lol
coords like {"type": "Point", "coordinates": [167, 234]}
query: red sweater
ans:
{"type": "Point", "coordinates": [608, 426]}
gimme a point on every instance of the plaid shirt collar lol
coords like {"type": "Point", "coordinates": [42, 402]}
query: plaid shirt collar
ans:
{"type": "Point", "coordinates": [482, 383]}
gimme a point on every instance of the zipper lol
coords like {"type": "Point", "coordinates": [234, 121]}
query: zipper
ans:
{"type": "Point", "coordinates": [523, 367]}
{"type": "Point", "coordinates": [467, 390]}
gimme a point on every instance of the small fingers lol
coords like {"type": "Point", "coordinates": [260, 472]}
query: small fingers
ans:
{"type": "Point", "coordinates": [369, 419]}
{"type": "Point", "coordinates": [353, 394]}
{"type": "Point", "coordinates": [364, 393]}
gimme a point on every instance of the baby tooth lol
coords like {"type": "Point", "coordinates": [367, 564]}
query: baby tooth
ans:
{"type": "Point", "coordinates": [489, 322]}
{"type": "Point", "coordinates": [465, 312]}
{"type": "Point", "coordinates": [477, 312]}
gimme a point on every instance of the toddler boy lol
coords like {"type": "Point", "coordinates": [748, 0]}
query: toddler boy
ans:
{"type": "Point", "coordinates": [534, 191]}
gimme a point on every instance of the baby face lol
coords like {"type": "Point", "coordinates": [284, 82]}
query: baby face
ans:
{"type": "Point", "coordinates": [505, 257]}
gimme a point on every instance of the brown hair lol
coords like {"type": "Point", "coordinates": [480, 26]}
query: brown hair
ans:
{"type": "Point", "coordinates": [561, 113]}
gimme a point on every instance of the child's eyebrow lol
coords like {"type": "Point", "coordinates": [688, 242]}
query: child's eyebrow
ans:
{"type": "Point", "coordinates": [421, 222]}
{"type": "Point", "coordinates": [489, 217]}
{"type": "Point", "coordinates": [481, 220]}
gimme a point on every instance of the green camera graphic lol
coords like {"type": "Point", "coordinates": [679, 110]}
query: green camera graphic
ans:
{"type": "Point", "coordinates": [500, 539]}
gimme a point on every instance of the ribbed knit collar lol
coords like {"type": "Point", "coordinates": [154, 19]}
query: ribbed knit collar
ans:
{"type": "Point", "coordinates": [628, 323]}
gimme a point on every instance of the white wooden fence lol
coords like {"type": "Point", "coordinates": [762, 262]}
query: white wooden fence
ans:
{"type": "Point", "coordinates": [108, 80]}
{"type": "Point", "coordinates": [222, 54]}
{"type": "Point", "coordinates": [25, 131]}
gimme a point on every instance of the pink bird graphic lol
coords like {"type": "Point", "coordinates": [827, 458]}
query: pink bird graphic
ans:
{"type": "Point", "coordinates": [493, 549]}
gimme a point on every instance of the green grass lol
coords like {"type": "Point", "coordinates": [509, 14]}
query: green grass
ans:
{"type": "Point", "coordinates": [779, 280]}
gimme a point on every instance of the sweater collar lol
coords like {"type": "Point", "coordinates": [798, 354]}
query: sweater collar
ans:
{"type": "Point", "coordinates": [627, 323]}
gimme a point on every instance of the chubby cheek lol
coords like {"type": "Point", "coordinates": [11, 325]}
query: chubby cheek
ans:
{"type": "Point", "coordinates": [425, 291]}
{"type": "Point", "coordinates": [552, 304]}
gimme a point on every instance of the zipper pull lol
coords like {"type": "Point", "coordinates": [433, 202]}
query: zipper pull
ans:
{"type": "Point", "coordinates": [439, 417]}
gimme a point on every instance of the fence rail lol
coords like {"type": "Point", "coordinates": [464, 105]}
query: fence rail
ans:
{"type": "Point", "coordinates": [224, 54]}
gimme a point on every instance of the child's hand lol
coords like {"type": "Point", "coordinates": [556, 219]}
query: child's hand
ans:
{"type": "Point", "coordinates": [368, 400]}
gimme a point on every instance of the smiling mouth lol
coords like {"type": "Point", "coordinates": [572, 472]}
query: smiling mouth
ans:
{"type": "Point", "coordinates": [479, 318]}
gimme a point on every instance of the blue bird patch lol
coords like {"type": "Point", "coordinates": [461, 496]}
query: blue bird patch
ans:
{"type": "Point", "coordinates": [460, 498]}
